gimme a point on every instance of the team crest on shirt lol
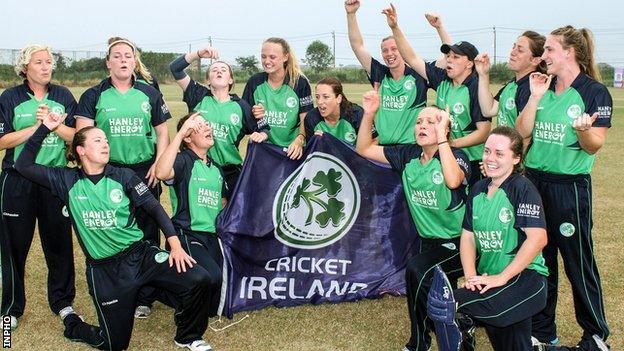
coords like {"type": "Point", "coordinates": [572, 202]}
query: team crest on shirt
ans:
{"type": "Point", "coordinates": [317, 204]}
{"type": "Point", "coordinates": [64, 211]}
{"type": "Point", "coordinates": [56, 110]}
{"type": "Point", "coordinates": [234, 118]}
{"type": "Point", "coordinates": [574, 111]}
{"type": "Point", "coordinates": [116, 195]}
{"type": "Point", "coordinates": [145, 106]}
{"type": "Point", "coordinates": [408, 85]}
{"type": "Point", "coordinates": [437, 177]}
{"type": "Point", "coordinates": [291, 102]}
{"type": "Point", "coordinates": [458, 108]}
{"type": "Point", "coordinates": [567, 229]}
{"type": "Point", "coordinates": [350, 136]}
{"type": "Point", "coordinates": [505, 215]}
{"type": "Point", "coordinates": [510, 104]}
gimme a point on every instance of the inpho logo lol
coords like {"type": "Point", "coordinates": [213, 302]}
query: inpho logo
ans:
{"type": "Point", "coordinates": [317, 204]}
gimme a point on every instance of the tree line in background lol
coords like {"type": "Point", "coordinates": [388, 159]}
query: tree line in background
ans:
{"type": "Point", "coordinates": [318, 63]}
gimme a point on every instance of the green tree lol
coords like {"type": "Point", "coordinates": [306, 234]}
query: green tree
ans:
{"type": "Point", "coordinates": [248, 64]}
{"type": "Point", "coordinates": [318, 56]}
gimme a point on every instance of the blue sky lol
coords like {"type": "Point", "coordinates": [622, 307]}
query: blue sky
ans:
{"type": "Point", "coordinates": [238, 27]}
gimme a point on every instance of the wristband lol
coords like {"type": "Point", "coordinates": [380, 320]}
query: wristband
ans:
{"type": "Point", "coordinates": [177, 67]}
{"type": "Point", "coordinates": [443, 142]}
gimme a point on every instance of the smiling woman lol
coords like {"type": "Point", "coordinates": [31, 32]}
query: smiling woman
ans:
{"type": "Point", "coordinates": [281, 95]}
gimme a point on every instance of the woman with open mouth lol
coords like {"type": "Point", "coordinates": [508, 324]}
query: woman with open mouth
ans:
{"type": "Point", "coordinates": [334, 114]}
{"type": "Point", "coordinates": [434, 181]}
{"type": "Point", "coordinates": [230, 116]}
{"type": "Point", "coordinates": [456, 87]}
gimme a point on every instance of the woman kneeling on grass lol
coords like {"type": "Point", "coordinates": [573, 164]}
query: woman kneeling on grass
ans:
{"type": "Point", "coordinates": [102, 201]}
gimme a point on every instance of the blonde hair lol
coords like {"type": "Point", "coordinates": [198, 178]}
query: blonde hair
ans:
{"type": "Point", "coordinates": [140, 69]}
{"type": "Point", "coordinates": [583, 43]}
{"type": "Point", "coordinates": [25, 56]}
{"type": "Point", "coordinates": [292, 65]}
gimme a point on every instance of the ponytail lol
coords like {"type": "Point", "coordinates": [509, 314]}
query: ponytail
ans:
{"type": "Point", "coordinates": [583, 43]}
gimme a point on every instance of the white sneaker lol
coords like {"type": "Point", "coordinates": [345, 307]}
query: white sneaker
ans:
{"type": "Point", "coordinates": [142, 312]}
{"type": "Point", "coordinates": [197, 345]}
{"type": "Point", "coordinates": [602, 346]}
{"type": "Point", "coordinates": [13, 322]}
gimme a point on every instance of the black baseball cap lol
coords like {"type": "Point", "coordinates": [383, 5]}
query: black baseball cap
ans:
{"type": "Point", "coordinates": [463, 48]}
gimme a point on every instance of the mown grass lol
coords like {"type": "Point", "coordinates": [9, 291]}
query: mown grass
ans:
{"type": "Point", "coordinates": [365, 325]}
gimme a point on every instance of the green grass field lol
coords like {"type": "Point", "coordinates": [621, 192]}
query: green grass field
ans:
{"type": "Point", "coordinates": [365, 325]}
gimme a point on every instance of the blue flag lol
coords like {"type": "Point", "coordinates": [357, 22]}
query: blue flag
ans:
{"type": "Point", "coordinates": [331, 226]}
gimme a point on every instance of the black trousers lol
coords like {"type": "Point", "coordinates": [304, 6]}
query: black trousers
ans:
{"type": "Point", "coordinates": [23, 202]}
{"type": "Point", "coordinates": [567, 205]}
{"type": "Point", "coordinates": [506, 311]}
{"type": "Point", "coordinates": [205, 249]}
{"type": "Point", "coordinates": [230, 175]}
{"type": "Point", "coordinates": [114, 284]}
{"type": "Point", "coordinates": [418, 277]}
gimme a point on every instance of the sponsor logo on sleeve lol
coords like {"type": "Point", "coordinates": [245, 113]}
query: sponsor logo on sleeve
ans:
{"type": "Point", "coordinates": [604, 111]}
{"type": "Point", "coordinates": [141, 188]}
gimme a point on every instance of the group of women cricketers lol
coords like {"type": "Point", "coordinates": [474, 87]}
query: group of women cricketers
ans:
{"type": "Point", "coordinates": [508, 199]}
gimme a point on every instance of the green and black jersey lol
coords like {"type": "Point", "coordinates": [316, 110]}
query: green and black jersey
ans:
{"type": "Point", "coordinates": [555, 146]}
{"type": "Point", "coordinates": [401, 101]}
{"type": "Point", "coordinates": [282, 106]}
{"type": "Point", "coordinates": [199, 189]}
{"type": "Point", "coordinates": [345, 129]}
{"type": "Point", "coordinates": [463, 104]}
{"type": "Point", "coordinates": [230, 121]}
{"type": "Point", "coordinates": [511, 100]}
{"type": "Point", "coordinates": [127, 119]}
{"type": "Point", "coordinates": [437, 211]}
{"type": "Point", "coordinates": [498, 222]}
{"type": "Point", "coordinates": [18, 107]}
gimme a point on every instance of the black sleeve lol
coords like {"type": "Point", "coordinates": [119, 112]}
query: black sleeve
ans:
{"type": "Point", "coordinates": [357, 113]}
{"type": "Point", "coordinates": [88, 101]}
{"type": "Point", "coordinates": [179, 167]}
{"type": "Point", "coordinates": [522, 96]}
{"type": "Point", "coordinates": [155, 83]}
{"type": "Point", "coordinates": [463, 162]}
{"type": "Point", "coordinates": [70, 104]}
{"type": "Point", "coordinates": [475, 190]}
{"type": "Point", "coordinates": [157, 212]}
{"type": "Point", "coordinates": [310, 121]}
{"type": "Point", "coordinates": [400, 155]}
{"type": "Point", "coordinates": [304, 92]}
{"type": "Point", "coordinates": [49, 177]}
{"type": "Point", "coordinates": [377, 72]}
{"type": "Point", "coordinates": [500, 91]}
{"type": "Point", "coordinates": [250, 124]}
{"type": "Point", "coordinates": [160, 112]}
{"type": "Point", "coordinates": [6, 115]}
{"type": "Point", "coordinates": [467, 222]}
{"type": "Point", "coordinates": [598, 99]}
{"type": "Point", "coordinates": [251, 85]}
{"type": "Point", "coordinates": [435, 75]}
{"type": "Point", "coordinates": [475, 108]}
{"type": "Point", "coordinates": [194, 94]}
{"type": "Point", "coordinates": [528, 205]}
